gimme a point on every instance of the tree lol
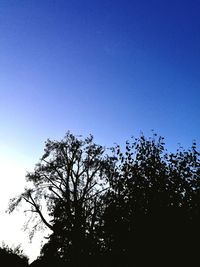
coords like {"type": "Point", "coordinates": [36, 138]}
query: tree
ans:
{"type": "Point", "coordinates": [70, 180]}
{"type": "Point", "coordinates": [153, 203]}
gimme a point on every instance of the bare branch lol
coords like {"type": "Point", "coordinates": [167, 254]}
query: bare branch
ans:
{"type": "Point", "coordinates": [33, 203]}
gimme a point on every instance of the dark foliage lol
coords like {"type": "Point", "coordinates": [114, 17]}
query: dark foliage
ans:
{"type": "Point", "coordinates": [135, 206]}
{"type": "Point", "coordinates": [12, 257]}
{"type": "Point", "coordinates": [152, 213]}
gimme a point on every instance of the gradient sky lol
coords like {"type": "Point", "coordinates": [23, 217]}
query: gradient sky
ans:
{"type": "Point", "coordinates": [110, 68]}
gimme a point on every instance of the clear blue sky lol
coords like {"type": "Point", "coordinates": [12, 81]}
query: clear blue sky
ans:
{"type": "Point", "coordinates": [110, 68]}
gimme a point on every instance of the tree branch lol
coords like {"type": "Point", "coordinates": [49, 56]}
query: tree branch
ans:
{"type": "Point", "coordinates": [33, 203]}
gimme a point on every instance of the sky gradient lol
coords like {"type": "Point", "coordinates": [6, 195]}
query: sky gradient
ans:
{"type": "Point", "coordinates": [109, 68]}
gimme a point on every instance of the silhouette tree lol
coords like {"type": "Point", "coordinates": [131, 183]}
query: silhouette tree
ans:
{"type": "Point", "coordinates": [70, 180]}
{"type": "Point", "coordinates": [153, 205]}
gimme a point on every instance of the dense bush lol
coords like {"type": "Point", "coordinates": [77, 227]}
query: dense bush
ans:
{"type": "Point", "coordinates": [12, 257]}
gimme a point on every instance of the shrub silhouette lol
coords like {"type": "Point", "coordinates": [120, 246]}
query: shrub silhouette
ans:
{"type": "Point", "coordinates": [12, 257]}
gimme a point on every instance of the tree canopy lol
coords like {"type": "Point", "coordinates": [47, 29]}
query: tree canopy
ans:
{"type": "Point", "coordinates": [118, 205]}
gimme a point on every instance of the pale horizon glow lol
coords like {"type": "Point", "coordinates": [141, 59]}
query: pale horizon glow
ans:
{"type": "Point", "coordinates": [13, 171]}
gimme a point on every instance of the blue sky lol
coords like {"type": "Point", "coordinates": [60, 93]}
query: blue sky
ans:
{"type": "Point", "coordinates": [110, 68]}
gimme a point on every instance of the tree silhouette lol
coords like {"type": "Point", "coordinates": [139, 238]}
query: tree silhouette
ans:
{"type": "Point", "coordinates": [136, 206]}
{"type": "Point", "coordinates": [70, 179]}
{"type": "Point", "coordinates": [153, 204]}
